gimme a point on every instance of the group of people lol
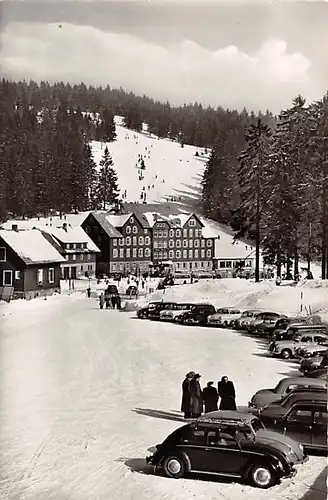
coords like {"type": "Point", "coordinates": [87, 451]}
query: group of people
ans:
{"type": "Point", "coordinates": [111, 301]}
{"type": "Point", "coordinates": [196, 400]}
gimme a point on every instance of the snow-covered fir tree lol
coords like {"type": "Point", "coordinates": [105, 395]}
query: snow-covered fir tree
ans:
{"type": "Point", "coordinates": [107, 191]}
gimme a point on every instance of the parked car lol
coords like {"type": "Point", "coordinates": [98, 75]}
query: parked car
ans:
{"type": "Point", "coordinates": [268, 328]}
{"type": "Point", "coordinates": [305, 421]}
{"type": "Point", "coordinates": [132, 290]}
{"type": "Point", "coordinates": [232, 444]}
{"type": "Point", "coordinates": [245, 319]}
{"type": "Point", "coordinates": [171, 314]}
{"type": "Point", "coordinates": [320, 373]}
{"type": "Point", "coordinates": [285, 386]}
{"type": "Point", "coordinates": [144, 311]}
{"type": "Point", "coordinates": [224, 317]}
{"type": "Point", "coordinates": [155, 312]}
{"type": "Point", "coordinates": [267, 316]}
{"type": "Point", "coordinates": [286, 348]}
{"type": "Point", "coordinates": [295, 396]}
{"type": "Point", "coordinates": [197, 315]}
{"type": "Point", "coordinates": [298, 328]}
{"type": "Point", "coordinates": [284, 323]}
{"type": "Point", "coordinates": [311, 350]}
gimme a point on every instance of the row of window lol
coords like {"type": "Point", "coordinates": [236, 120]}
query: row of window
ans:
{"type": "Point", "coordinates": [73, 246]}
{"type": "Point", "coordinates": [74, 256]}
{"type": "Point", "coordinates": [185, 254]}
{"type": "Point", "coordinates": [197, 233]}
{"type": "Point", "coordinates": [183, 243]}
{"type": "Point", "coordinates": [126, 252]}
{"type": "Point", "coordinates": [9, 276]}
{"type": "Point", "coordinates": [132, 241]}
{"type": "Point", "coordinates": [228, 264]}
{"type": "Point", "coordinates": [190, 265]}
{"type": "Point", "coordinates": [127, 266]}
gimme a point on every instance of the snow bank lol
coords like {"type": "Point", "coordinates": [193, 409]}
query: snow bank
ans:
{"type": "Point", "coordinates": [246, 294]}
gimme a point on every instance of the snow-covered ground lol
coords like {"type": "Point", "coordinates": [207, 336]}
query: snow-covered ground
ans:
{"type": "Point", "coordinates": [171, 171]}
{"type": "Point", "coordinates": [85, 393]}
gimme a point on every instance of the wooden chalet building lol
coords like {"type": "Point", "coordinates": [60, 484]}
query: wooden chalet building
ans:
{"type": "Point", "coordinates": [78, 250]}
{"type": "Point", "coordinates": [124, 241]}
{"type": "Point", "coordinates": [29, 264]}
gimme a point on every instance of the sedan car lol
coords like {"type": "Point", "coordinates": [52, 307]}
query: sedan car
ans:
{"type": "Point", "coordinates": [295, 396]}
{"type": "Point", "coordinates": [286, 385]}
{"type": "Point", "coordinates": [245, 319]}
{"type": "Point", "coordinates": [154, 314]}
{"type": "Point", "coordinates": [171, 314]}
{"type": "Point", "coordinates": [197, 315]}
{"type": "Point", "coordinates": [144, 311]}
{"type": "Point", "coordinates": [299, 328]}
{"type": "Point", "coordinates": [286, 348]}
{"type": "Point", "coordinates": [268, 317]}
{"type": "Point", "coordinates": [305, 421]}
{"type": "Point", "coordinates": [231, 444]}
{"type": "Point", "coordinates": [224, 317]}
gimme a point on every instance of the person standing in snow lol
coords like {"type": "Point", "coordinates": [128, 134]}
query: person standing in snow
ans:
{"type": "Point", "coordinates": [186, 395]}
{"type": "Point", "coordinates": [88, 292]}
{"type": "Point", "coordinates": [196, 397]}
{"type": "Point", "coordinates": [101, 300]}
{"type": "Point", "coordinates": [113, 301]}
{"type": "Point", "coordinates": [210, 398]}
{"type": "Point", "coordinates": [118, 302]}
{"type": "Point", "coordinates": [227, 393]}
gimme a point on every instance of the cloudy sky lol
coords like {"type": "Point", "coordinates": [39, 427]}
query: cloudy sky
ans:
{"type": "Point", "coordinates": [233, 53]}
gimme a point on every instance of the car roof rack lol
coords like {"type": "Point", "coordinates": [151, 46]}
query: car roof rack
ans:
{"type": "Point", "coordinates": [237, 421]}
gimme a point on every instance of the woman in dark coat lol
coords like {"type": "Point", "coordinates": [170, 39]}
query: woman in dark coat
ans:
{"type": "Point", "coordinates": [227, 393]}
{"type": "Point", "coordinates": [210, 398]}
{"type": "Point", "coordinates": [186, 395]}
{"type": "Point", "coordinates": [196, 397]}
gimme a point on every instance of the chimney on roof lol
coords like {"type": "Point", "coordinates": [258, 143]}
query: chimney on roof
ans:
{"type": "Point", "coordinates": [65, 226]}
{"type": "Point", "coordinates": [14, 227]}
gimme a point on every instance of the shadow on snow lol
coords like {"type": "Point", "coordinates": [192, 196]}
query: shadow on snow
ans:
{"type": "Point", "coordinates": [165, 415]}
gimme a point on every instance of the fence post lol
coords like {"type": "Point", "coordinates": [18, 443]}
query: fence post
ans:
{"type": "Point", "coordinates": [301, 301]}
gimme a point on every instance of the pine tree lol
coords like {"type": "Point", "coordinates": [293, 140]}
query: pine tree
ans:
{"type": "Point", "coordinates": [107, 188]}
{"type": "Point", "coordinates": [289, 196]}
{"type": "Point", "coordinates": [252, 174]}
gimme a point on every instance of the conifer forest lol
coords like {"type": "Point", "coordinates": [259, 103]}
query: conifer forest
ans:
{"type": "Point", "coordinates": [266, 177]}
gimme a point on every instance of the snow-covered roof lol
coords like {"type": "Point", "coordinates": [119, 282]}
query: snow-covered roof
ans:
{"type": "Point", "coordinates": [31, 246]}
{"type": "Point", "coordinates": [72, 235]}
{"type": "Point", "coordinates": [118, 220]}
{"type": "Point", "coordinates": [109, 229]}
{"type": "Point", "coordinates": [225, 249]}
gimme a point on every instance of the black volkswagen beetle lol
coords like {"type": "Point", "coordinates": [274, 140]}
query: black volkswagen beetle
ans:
{"type": "Point", "coordinates": [231, 444]}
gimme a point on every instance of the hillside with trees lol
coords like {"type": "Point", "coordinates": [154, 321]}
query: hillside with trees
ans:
{"type": "Point", "coordinates": [266, 177]}
{"type": "Point", "coordinates": [276, 190]}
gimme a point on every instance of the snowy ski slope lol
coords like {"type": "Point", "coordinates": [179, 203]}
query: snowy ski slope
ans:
{"type": "Point", "coordinates": [171, 171]}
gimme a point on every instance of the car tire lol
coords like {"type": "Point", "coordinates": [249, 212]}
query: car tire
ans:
{"type": "Point", "coordinates": [286, 354]}
{"type": "Point", "coordinates": [174, 467]}
{"type": "Point", "coordinates": [262, 476]}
